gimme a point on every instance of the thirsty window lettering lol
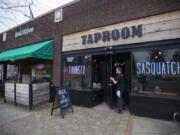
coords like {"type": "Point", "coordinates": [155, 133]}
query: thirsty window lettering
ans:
{"type": "Point", "coordinates": [77, 70]}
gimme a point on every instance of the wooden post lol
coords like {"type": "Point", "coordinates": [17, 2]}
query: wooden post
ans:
{"type": "Point", "coordinates": [15, 103]}
{"type": "Point", "coordinates": [30, 96]}
{"type": "Point", "coordinates": [50, 92]}
{"type": "Point", "coordinates": [3, 81]}
{"type": "Point", "coordinates": [3, 87]}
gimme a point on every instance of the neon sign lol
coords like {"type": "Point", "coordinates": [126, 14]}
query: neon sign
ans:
{"type": "Point", "coordinates": [158, 68]}
{"type": "Point", "coordinates": [77, 70]}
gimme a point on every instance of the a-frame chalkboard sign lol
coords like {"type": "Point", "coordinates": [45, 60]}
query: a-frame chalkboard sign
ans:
{"type": "Point", "coordinates": [62, 100]}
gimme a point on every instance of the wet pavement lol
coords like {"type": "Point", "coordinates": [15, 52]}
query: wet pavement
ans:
{"type": "Point", "coordinates": [100, 120]}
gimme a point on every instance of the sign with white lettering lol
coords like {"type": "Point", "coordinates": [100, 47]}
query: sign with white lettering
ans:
{"type": "Point", "coordinates": [64, 102]}
{"type": "Point", "coordinates": [64, 98]}
{"type": "Point", "coordinates": [77, 70]}
{"type": "Point", "coordinates": [25, 31]}
{"type": "Point", "coordinates": [158, 68]}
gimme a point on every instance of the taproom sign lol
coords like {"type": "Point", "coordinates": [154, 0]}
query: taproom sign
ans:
{"type": "Point", "coordinates": [113, 35]}
{"type": "Point", "coordinates": [158, 68]}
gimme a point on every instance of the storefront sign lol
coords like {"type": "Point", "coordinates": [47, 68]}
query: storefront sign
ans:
{"type": "Point", "coordinates": [158, 68]}
{"type": "Point", "coordinates": [154, 28]}
{"type": "Point", "coordinates": [77, 70]}
{"type": "Point", "coordinates": [115, 34]}
{"type": "Point", "coordinates": [22, 32]}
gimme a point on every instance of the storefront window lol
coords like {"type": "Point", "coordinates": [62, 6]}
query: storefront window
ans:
{"type": "Point", "coordinates": [97, 72]}
{"type": "Point", "coordinates": [41, 73]}
{"type": "Point", "coordinates": [12, 73]}
{"type": "Point", "coordinates": [77, 72]}
{"type": "Point", "coordinates": [156, 72]}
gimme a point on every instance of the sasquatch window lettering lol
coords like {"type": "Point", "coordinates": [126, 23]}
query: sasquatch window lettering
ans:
{"type": "Point", "coordinates": [168, 69]}
{"type": "Point", "coordinates": [158, 68]}
{"type": "Point", "coordinates": [163, 69]}
{"type": "Point", "coordinates": [138, 69]}
{"type": "Point", "coordinates": [172, 68]}
{"type": "Point", "coordinates": [178, 67]}
{"type": "Point", "coordinates": [148, 69]}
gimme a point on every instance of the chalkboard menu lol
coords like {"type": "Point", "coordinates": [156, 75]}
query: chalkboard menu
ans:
{"type": "Point", "coordinates": [62, 100]}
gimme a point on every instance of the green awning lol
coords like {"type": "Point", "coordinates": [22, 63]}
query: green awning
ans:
{"type": "Point", "coordinates": [42, 50]}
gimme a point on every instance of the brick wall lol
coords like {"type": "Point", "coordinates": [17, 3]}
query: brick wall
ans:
{"type": "Point", "coordinates": [84, 15]}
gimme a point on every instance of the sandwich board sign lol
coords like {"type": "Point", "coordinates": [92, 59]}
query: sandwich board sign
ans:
{"type": "Point", "coordinates": [62, 100]}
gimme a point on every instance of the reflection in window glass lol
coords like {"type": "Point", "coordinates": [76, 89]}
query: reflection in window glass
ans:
{"type": "Point", "coordinates": [77, 72]}
{"type": "Point", "coordinates": [41, 73]}
{"type": "Point", "coordinates": [97, 72]}
{"type": "Point", "coordinates": [12, 73]}
{"type": "Point", "coordinates": [157, 72]}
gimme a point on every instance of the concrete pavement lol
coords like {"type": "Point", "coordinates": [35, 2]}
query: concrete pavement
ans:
{"type": "Point", "coordinates": [96, 121]}
{"type": "Point", "coordinates": [147, 126]}
{"type": "Point", "coordinates": [99, 120]}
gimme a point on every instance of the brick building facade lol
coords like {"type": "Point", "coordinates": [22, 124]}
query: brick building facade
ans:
{"type": "Point", "coordinates": [84, 15]}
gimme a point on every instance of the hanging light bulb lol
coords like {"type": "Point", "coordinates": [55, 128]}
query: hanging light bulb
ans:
{"type": "Point", "coordinates": [159, 52]}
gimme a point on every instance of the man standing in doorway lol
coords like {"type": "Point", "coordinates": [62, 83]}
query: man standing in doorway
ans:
{"type": "Point", "coordinates": [119, 82]}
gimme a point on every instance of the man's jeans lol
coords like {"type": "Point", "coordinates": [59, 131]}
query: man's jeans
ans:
{"type": "Point", "coordinates": [120, 102]}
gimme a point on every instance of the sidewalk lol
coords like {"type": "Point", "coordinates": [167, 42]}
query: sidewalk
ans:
{"type": "Point", "coordinates": [147, 126]}
{"type": "Point", "coordinates": [99, 120]}
{"type": "Point", "coordinates": [96, 121]}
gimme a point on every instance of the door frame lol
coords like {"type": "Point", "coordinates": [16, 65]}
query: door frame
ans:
{"type": "Point", "coordinates": [108, 91]}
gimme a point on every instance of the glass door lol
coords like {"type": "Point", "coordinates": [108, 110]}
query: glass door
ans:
{"type": "Point", "coordinates": [109, 85]}
{"type": "Point", "coordinates": [104, 67]}
{"type": "Point", "coordinates": [113, 61]}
